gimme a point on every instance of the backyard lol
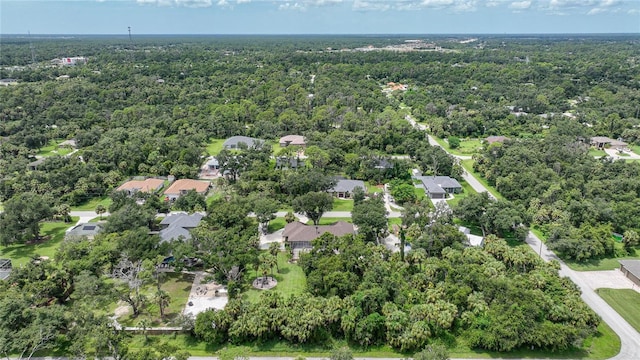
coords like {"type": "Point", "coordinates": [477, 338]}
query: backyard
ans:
{"type": "Point", "coordinates": [21, 254]}
{"type": "Point", "coordinates": [291, 280]}
{"type": "Point", "coordinates": [54, 148]}
{"type": "Point", "coordinates": [215, 146]}
{"type": "Point", "coordinates": [92, 204]}
{"type": "Point", "coordinates": [626, 302]}
{"type": "Point", "coordinates": [178, 286]}
{"type": "Point", "coordinates": [466, 191]}
{"type": "Point", "coordinates": [330, 220]}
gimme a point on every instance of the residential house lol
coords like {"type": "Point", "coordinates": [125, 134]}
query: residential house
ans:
{"type": "Point", "coordinates": [602, 142]}
{"type": "Point", "coordinates": [474, 240]}
{"type": "Point", "coordinates": [496, 139]}
{"type": "Point", "coordinates": [88, 230]}
{"type": "Point", "coordinates": [286, 162]}
{"type": "Point", "coordinates": [235, 141]}
{"type": "Point", "coordinates": [5, 268]}
{"type": "Point", "coordinates": [383, 164]}
{"type": "Point", "coordinates": [437, 187]}
{"type": "Point", "coordinates": [147, 185]}
{"type": "Point", "coordinates": [344, 188]}
{"type": "Point", "coordinates": [293, 140]}
{"type": "Point", "coordinates": [7, 82]}
{"type": "Point", "coordinates": [212, 164]}
{"type": "Point", "coordinates": [300, 236]}
{"type": "Point", "coordinates": [33, 166]}
{"type": "Point", "coordinates": [178, 226]}
{"type": "Point", "coordinates": [631, 269]}
{"type": "Point", "coordinates": [183, 186]}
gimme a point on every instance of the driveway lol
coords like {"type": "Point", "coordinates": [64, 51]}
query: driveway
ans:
{"type": "Point", "coordinates": [611, 279]}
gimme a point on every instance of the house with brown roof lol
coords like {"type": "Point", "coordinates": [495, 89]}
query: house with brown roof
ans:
{"type": "Point", "coordinates": [146, 185]}
{"type": "Point", "coordinates": [602, 142]}
{"type": "Point", "coordinates": [183, 186]}
{"type": "Point", "coordinates": [300, 236]}
{"type": "Point", "coordinates": [293, 140]}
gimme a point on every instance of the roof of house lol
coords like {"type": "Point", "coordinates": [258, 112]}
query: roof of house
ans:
{"type": "Point", "coordinates": [178, 225]}
{"type": "Point", "coordinates": [37, 162]}
{"type": "Point", "coordinates": [292, 140]}
{"type": "Point", "coordinates": [494, 139]}
{"type": "Point", "coordinates": [344, 185]}
{"type": "Point", "coordinates": [212, 161]}
{"type": "Point", "coordinates": [147, 185]}
{"type": "Point", "coordinates": [5, 268]}
{"type": "Point", "coordinates": [384, 164]}
{"type": "Point", "coordinates": [297, 231]}
{"type": "Point", "coordinates": [86, 229]}
{"type": "Point", "coordinates": [607, 140]}
{"type": "Point", "coordinates": [633, 266]}
{"type": "Point", "coordinates": [182, 185]}
{"type": "Point", "coordinates": [235, 140]}
{"type": "Point", "coordinates": [70, 142]}
{"type": "Point", "coordinates": [436, 184]}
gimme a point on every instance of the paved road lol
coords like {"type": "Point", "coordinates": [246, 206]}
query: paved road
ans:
{"type": "Point", "coordinates": [629, 337]}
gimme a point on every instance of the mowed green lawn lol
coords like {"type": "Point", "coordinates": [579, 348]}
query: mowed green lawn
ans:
{"type": "Point", "coordinates": [626, 302]}
{"type": "Point", "coordinates": [92, 204]}
{"type": "Point", "coordinates": [291, 280]}
{"type": "Point", "coordinates": [373, 188]}
{"type": "Point", "coordinates": [21, 254]}
{"type": "Point", "coordinates": [468, 165]}
{"type": "Point", "coordinates": [466, 191]}
{"type": "Point", "coordinates": [215, 146]}
{"type": "Point", "coordinates": [53, 148]}
{"type": "Point", "coordinates": [342, 205]}
{"type": "Point", "coordinates": [330, 220]}
{"type": "Point", "coordinates": [467, 146]}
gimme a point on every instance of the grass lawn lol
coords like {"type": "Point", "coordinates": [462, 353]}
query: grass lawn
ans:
{"type": "Point", "coordinates": [178, 286]}
{"type": "Point", "coordinates": [92, 204]}
{"type": "Point", "coordinates": [394, 221]}
{"type": "Point", "coordinates": [20, 254]}
{"type": "Point", "coordinates": [331, 220]}
{"type": "Point", "coordinates": [373, 188]}
{"type": "Point", "coordinates": [635, 149]}
{"type": "Point", "coordinates": [98, 219]}
{"type": "Point", "coordinates": [626, 302]}
{"type": "Point", "coordinates": [291, 280]}
{"type": "Point", "coordinates": [468, 165]}
{"type": "Point", "coordinates": [420, 193]}
{"type": "Point", "coordinates": [599, 264]}
{"type": "Point", "coordinates": [596, 152]}
{"type": "Point", "coordinates": [214, 146]}
{"type": "Point", "coordinates": [466, 191]}
{"type": "Point", "coordinates": [276, 224]}
{"type": "Point", "coordinates": [467, 146]}
{"type": "Point", "coordinates": [53, 148]}
{"type": "Point", "coordinates": [342, 205]}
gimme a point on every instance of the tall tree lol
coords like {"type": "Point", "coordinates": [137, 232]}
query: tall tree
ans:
{"type": "Point", "coordinates": [21, 218]}
{"type": "Point", "coordinates": [313, 205]}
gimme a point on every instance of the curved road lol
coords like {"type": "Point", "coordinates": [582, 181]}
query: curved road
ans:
{"type": "Point", "coordinates": [629, 337]}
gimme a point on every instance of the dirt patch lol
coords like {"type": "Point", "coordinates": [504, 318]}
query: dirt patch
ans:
{"type": "Point", "coordinates": [121, 310]}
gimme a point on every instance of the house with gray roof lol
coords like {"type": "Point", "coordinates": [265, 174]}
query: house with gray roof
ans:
{"type": "Point", "coordinates": [87, 230]}
{"type": "Point", "coordinates": [235, 141]}
{"type": "Point", "coordinates": [300, 236]}
{"type": "Point", "coordinates": [178, 226]}
{"type": "Point", "coordinates": [5, 268]}
{"type": "Point", "coordinates": [344, 188]}
{"type": "Point", "coordinates": [631, 269]}
{"type": "Point", "coordinates": [437, 187]}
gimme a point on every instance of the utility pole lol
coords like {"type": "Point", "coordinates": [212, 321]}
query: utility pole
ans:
{"type": "Point", "coordinates": [129, 27]}
{"type": "Point", "coordinates": [33, 50]}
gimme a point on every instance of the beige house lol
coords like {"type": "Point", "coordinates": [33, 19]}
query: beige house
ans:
{"type": "Point", "coordinates": [602, 142]}
{"type": "Point", "coordinates": [183, 186]}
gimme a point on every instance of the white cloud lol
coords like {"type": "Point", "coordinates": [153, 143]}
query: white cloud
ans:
{"type": "Point", "coordinates": [243, 1]}
{"type": "Point", "coordinates": [360, 5]}
{"type": "Point", "coordinates": [293, 6]}
{"type": "Point", "coordinates": [596, 10]}
{"type": "Point", "coordinates": [492, 3]}
{"type": "Point", "coordinates": [520, 5]}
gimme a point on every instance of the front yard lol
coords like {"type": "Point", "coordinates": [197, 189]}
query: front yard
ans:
{"type": "Point", "coordinates": [21, 254]}
{"type": "Point", "coordinates": [92, 204]}
{"type": "Point", "coordinates": [342, 205]}
{"type": "Point", "coordinates": [626, 302]}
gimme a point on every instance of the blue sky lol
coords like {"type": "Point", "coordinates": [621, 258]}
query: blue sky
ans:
{"type": "Point", "coordinates": [319, 16]}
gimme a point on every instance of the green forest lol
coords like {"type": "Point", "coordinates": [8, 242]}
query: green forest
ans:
{"type": "Point", "coordinates": [161, 107]}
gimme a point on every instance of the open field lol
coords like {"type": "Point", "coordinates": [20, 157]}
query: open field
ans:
{"type": "Point", "coordinates": [291, 280]}
{"type": "Point", "coordinates": [467, 146]}
{"type": "Point", "coordinates": [599, 264]}
{"type": "Point", "coordinates": [92, 204]}
{"type": "Point", "coordinates": [342, 205]}
{"type": "Point", "coordinates": [372, 188]}
{"type": "Point", "coordinates": [626, 302]}
{"type": "Point", "coordinates": [21, 254]}
{"type": "Point", "coordinates": [596, 152]}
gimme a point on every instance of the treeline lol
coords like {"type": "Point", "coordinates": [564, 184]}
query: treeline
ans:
{"type": "Point", "coordinates": [577, 201]}
{"type": "Point", "coordinates": [500, 299]}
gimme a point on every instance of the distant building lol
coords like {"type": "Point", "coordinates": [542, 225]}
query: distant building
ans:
{"type": "Point", "coordinates": [293, 140]}
{"type": "Point", "coordinates": [235, 141]}
{"type": "Point", "coordinates": [70, 61]}
{"type": "Point", "coordinates": [183, 186]}
{"type": "Point", "coordinates": [602, 142]}
{"type": "Point", "coordinates": [494, 139]}
{"type": "Point", "coordinates": [7, 82]}
{"type": "Point", "coordinates": [147, 185]}
{"type": "Point", "coordinates": [344, 188]}
{"type": "Point", "coordinates": [33, 166]}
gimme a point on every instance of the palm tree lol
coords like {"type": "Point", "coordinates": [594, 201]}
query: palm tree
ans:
{"type": "Point", "coordinates": [144, 324]}
{"type": "Point", "coordinates": [100, 209]}
{"type": "Point", "coordinates": [163, 300]}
